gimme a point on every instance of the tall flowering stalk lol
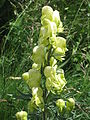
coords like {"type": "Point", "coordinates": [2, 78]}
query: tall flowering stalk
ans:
{"type": "Point", "coordinates": [43, 78]}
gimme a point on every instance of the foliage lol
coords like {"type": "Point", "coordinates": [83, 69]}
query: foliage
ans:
{"type": "Point", "coordinates": [16, 51]}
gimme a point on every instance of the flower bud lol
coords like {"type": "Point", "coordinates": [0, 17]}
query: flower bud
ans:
{"type": "Point", "coordinates": [21, 115]}
{"type": "Point", "coordinates": [70, 104]}
{"type": "Point", "coordinates": [25, 76]}
{"type": "Point", "coordinates": [60, 104]}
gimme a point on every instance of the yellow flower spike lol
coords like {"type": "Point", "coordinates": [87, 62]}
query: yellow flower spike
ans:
{"type": "Point", "coordinates": [22, 115]}
{"type": "Point", "coordinates": [50, 47]}
{"type": "Point", "coordinates": [25, 76]}
{"type": "Point", "coordinates": [60, 104]}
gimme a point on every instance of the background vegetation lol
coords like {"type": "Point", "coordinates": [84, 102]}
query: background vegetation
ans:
{"type": "Point", "coordinates": [19, 30]}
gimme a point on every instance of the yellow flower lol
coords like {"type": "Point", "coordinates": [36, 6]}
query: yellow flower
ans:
{"type": "Point", "coordinates": [25, 76]}
{"type": "Point", "coordinates": [50, 71]}
{"type": "Point", "coordinates": [21, 115]}
{"type": "Point", "coordinates": [37, 91]}
{"type": "Point", "coordinates": [38, 54]}
{"type": "Point", "coordinates": [47, 12]}
{"type": "Point", "coordinates": [34, 78]}
{"type": "Point", "coordinates": [60, 104]}
{"type": "Point", "coordinates": [48, 29]}
{"type": "Point", "coordinates": [56, 83]}
{"type": "Point", "coordinates": [36, 101]}
{"type": "Point", "coordinates": [56, 17]}
{"type": "Point", "coordinates": [36, 66]}
{"type": "Point", "coordinates": [31, 106]}
{"type": "Point", "coordinates": [53, 61]}
{"type": "Point", "coordinates": [70, 104]}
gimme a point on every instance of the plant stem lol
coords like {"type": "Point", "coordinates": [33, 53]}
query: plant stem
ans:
{"type": "Point", "coordinates": [45, 91]}
{"type": "Point", "coordinates": [44, 112]}
{"type": "Point", "coordinates": [44, 115]}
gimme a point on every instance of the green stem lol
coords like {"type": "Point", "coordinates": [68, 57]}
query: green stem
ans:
{"type": "Point", "coordinates": [44, 115]}
{"type": "Point", "coordinates": [49, 55]}
{"type": "Point", "coordinates": [45, 91]}
{"type": "Point", "coordinates": [44, 112]}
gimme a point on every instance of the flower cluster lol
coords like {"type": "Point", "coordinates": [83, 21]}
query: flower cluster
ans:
{"type": "Point", "coordinates": [51, 25]}
{"type": "Point", "coordinates": [33, 79]}
{"type": "Point", "coordinates": [50, 48]}
{"type": "Point", "coordinates": [65, 105]}
{"type": "Point", "coordinates": [54, 82]}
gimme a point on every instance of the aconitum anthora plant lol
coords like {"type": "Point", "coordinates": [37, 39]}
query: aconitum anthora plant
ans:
{"type": "Point", "coordinates": [44, 78]}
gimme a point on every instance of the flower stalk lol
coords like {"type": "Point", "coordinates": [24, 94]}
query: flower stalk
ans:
{"type": "Point", "coordinates": [43, 77]}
